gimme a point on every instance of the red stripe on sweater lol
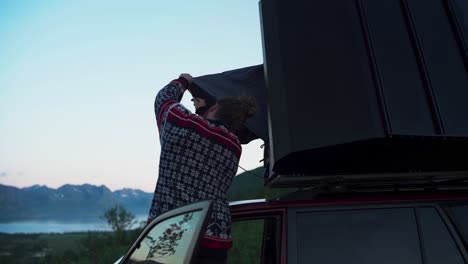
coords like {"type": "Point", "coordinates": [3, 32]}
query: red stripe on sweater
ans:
{"type": "Point", "coordinates": [219, 243]}
{"type": "Point", "coordinates": [202, 122]}
{"type": "Point", "coordinates": [162, 108]}
{"type": "Point", "coordinates": [180, 118]}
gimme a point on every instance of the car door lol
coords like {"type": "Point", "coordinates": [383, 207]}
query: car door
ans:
{"type": "Point", "coordinates": [257, 235]}
{"type": "Point", "coordinates": [411, 233]}
{"type": "Point", "coordinates": [173, 237]}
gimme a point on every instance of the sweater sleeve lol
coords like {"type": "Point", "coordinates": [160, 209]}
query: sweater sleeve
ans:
{"type": "Point", "coordinates": [167, 97]}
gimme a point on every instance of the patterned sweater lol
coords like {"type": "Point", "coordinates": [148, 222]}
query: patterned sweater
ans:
{"type": "Point", "coordinates": [199, 159]}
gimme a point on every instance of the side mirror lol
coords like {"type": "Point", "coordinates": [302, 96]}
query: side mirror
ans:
{"type": "Point", "coordinates": [173, 237]}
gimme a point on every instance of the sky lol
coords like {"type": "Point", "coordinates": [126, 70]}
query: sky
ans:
{"type": "Point", "coordinates": [78, 81]}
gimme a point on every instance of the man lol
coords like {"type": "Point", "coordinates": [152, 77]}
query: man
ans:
{"type": "Point", "coordinates": [199, 158]}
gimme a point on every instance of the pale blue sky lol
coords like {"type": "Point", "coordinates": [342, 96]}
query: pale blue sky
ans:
{"type": "Point", "coordinates": [78, 81]}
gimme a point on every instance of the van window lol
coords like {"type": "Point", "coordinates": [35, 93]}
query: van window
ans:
{"type": "Point", "coordinates": [365, 236]}
{"type": "Point", "coordinates": [170, 241]}
{"type": "Point", "coordinates": [247, 237]}
{"type": "Point", "coordinates": [438, 245]}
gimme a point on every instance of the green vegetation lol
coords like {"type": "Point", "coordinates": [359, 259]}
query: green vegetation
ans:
{"type": "Point", "coordinates": [119, 218]}
{"type": "Point", "coordinates": [247, 242]}
{"type": "Point", "coordinates": [90, 247]}
{"type": "Point", "coordinates": [107, 247]}
{"type": "Point", "coordinates": [247, 235]}
{"type": "Point", "coordinates": [250, 185]}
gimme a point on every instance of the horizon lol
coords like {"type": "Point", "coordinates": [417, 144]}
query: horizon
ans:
{"type": "Point", "coordinates": [96, 185]}
{"type": "Point", "coordinates": [83, 184]}
{"type": "Point", "coordinates": [78, 82]}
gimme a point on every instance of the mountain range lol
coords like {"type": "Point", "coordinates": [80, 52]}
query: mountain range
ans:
{"type": "Point", "coordinates": [67, 203]}
{"type": "Point", "coordinates": [79, 203]}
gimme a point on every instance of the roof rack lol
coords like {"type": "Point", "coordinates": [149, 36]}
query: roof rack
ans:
{"type": "Point", "coordinates": [375, 182]}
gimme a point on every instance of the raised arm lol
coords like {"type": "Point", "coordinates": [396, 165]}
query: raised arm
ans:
{"type": "Point", "coordinates": [170, 95]}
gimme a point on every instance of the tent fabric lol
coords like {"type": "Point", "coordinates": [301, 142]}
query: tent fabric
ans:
{"type": "Point", "coordinates": [248, 81]}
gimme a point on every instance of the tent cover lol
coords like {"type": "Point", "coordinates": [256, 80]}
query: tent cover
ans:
{"type": "Point", "coordinates": [248, 81]}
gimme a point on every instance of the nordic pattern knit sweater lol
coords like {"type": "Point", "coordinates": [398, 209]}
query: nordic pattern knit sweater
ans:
{"type": "Point", "coordinates": [199, 159]}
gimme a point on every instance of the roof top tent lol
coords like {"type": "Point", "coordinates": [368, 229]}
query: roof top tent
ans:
{"type": "Point", "coordinates": [363, 89]}
{"type": "Point", "coordinates": [358, 90]}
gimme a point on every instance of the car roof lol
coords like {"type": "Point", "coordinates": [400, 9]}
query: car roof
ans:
{"type": "Point", "coordinates": [307, 198]}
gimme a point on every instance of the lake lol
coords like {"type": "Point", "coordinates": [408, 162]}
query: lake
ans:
{"type": "Point", "coordinates": [28, 227]}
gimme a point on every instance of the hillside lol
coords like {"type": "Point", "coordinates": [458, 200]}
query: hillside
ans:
{"type": "Point", "coordinates": [89, 202]}
{"type": "Point", "coordinates": [249, 185]}
{"type": "Point", "coordinates": [69, 202]}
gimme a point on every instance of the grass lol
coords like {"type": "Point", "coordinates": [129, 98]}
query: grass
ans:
{"type": "Point", "coordinates": [247, 242]}
{"type": "Point", "coordinates": [107, 247]}
{"type": "Point", "coordinates": [80, 247]}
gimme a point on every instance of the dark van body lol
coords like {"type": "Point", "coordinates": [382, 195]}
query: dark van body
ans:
{"type": "Point", "coordinates": [394, 227]}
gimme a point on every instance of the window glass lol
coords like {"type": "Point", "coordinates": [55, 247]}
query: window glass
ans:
{"type": "Point", "coordinates": [169, 241]}
{"type": "Point", "coordinates": [247, 237]}
{"type": "Point", "coordinates": [365, 236]}
{"type": "Point", "coordinates": [439, 246]}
